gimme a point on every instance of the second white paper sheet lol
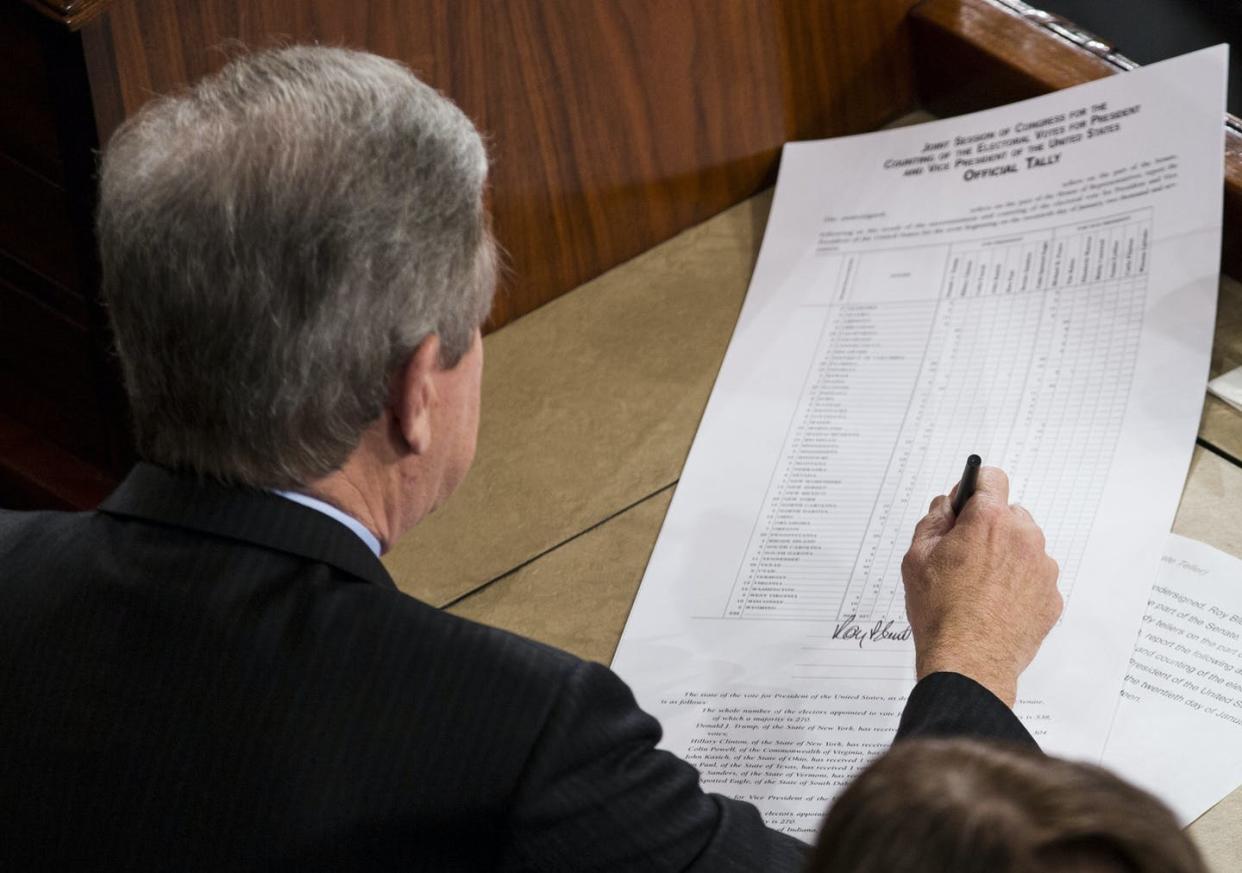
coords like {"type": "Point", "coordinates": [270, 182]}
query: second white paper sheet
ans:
{"type": "Point", "coordinates": [1178, 731]}
{"type": "Point", "coordinates": [1036, 284]}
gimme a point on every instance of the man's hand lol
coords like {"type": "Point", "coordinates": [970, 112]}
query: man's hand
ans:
{"type": "Point", "coordinates": [981, 593]}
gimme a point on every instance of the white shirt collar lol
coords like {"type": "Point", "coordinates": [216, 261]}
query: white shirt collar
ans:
{"type": "Point", "coordinates": [331, 511]}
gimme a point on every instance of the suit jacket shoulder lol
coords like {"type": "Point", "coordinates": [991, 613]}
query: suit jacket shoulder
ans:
{"type": "Point", "coordinates": [198, 679]}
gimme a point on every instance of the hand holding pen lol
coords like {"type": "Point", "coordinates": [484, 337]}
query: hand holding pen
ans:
{"type": "Point", "coordinates": [981, 592]}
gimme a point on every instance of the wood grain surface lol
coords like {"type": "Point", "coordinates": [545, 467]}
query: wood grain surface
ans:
{"type": "Point", "coordinates": [612, 125]}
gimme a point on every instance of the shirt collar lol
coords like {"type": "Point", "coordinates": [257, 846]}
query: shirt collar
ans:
{"type": "Point", "coordinates": [182, 499]}
{"type": "Point", "coordinates": [331, 511]}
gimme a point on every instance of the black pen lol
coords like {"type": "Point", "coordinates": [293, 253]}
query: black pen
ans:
{"type": "Point", "coordinates": [966, 488]}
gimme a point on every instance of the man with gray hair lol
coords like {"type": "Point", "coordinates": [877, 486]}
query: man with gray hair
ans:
{"type": "Point", "coordinates": [214, 671]}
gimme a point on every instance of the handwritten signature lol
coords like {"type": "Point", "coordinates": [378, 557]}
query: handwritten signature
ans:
{"type": "Point", "coordinates": [882, 631]}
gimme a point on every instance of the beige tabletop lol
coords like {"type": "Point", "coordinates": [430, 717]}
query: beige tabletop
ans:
{"type": "Point", "coordinates": [589, 408]}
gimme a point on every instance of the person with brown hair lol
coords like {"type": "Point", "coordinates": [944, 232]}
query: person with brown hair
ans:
{"type": "Point", "coordinates": [964, 806]}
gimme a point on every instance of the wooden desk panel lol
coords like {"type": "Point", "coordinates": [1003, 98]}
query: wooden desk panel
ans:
{"type": "Point", "coordinates": [613, 125]}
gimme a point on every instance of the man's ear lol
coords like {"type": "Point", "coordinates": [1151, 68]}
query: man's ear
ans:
{"type": "Point", "coordinates": [413, 395]}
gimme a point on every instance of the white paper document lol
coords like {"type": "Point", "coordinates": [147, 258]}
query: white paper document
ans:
{"type": "Point", "coordinates": [1035, 284]}
{"type": "Point", "coordinates": [1178, 731]}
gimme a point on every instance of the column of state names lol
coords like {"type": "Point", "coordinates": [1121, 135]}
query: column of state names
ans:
{"type": "Point", "coordinates": [1023, 354]}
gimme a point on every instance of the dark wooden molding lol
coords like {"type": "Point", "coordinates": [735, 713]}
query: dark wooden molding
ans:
{"type": "Point", "coordinates": [71, 13]}
{"type": "Point", "coordinates": [975, 54]}
{"type": "Point", "coordinates": [64, 438]}
{"type": "Point", "coordinates": [101, 70]}
{"type": "Point", "coordinates": [38, 474]}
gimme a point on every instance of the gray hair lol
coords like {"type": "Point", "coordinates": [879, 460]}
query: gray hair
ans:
{"type": "Point", "coordinates": [276, 241]}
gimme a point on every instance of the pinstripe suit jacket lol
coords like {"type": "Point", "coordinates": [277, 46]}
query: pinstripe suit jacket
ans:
{"type": "Point", "coordinates": [197, 677]}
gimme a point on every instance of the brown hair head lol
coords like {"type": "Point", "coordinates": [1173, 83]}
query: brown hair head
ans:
{"type": "Point", "coordinates": [960, 806]}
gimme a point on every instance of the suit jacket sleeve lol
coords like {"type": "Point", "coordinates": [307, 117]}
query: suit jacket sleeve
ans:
{"type": "Point", "coordinates": [597, 795]}
{"type": "Point", "coordinates": [953, 705]}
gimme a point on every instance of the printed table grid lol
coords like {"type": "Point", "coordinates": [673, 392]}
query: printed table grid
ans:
{"type": "Point", "coordinates": [1025, 357]}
